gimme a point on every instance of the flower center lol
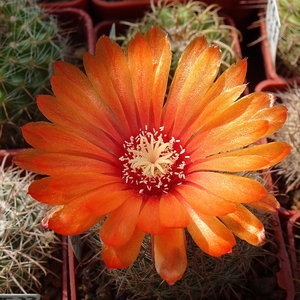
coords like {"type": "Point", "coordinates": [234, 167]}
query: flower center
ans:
{"type": "Point", "coordinates": [153, 163]}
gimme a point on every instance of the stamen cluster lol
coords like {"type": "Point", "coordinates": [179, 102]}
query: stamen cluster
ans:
{"type": "Point", "coordinates": [153, 162]}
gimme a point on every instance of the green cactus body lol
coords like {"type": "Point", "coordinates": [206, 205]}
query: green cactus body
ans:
{"type": "Point", "coordinates": [24, 247]}
{"type": "Point", "coordinates": [29, 44]}
{"type": "Point", "coordinates": [289, 43]}
{"type": "Point", "coordinates": [183, 22]}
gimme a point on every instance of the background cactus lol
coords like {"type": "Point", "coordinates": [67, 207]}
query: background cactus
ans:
{"type": "Point", "coordinates": [29, 43]}
{"type": "Point", "coordinates": [289, 43]}
{"type": "Point", "coordinates": [290, 133]}
{"type": "Point", "coordinates": [183, 22]}
{"type": "Point", "coordinates": [24, 247]}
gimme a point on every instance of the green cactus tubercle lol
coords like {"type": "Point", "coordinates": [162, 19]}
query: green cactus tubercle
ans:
{"type": "Point", "coordinates": [29, 44]}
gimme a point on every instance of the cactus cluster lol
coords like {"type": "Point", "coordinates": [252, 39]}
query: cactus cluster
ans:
{"type": "Point", "coordinates": [25, 248]}
{"type": "Point", "coordinates": [288, 50]}
{"type": "Point", "coordinates": [29, 43]}
{"type": "Point", "coordinates": [185, 21]}
{"type": "Point", "coordinates": [290, 133]}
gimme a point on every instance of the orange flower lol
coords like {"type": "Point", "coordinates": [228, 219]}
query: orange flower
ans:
{"type": "Point", "coordinates": [116, 146]}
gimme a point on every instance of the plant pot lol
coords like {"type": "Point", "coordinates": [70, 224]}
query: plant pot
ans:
{"type": "Point", "coordinates": [290, 220]}
{"type": "Point", "coordinates": [81, 4]}
{"type": "Point", "coordinates": [78, 24]}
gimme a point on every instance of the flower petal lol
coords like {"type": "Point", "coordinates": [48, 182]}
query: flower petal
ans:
{"type": "Point", "coordinates": [245, 225]}
{"type": "Point", "coordinates": [230, 187]}
{"type": "Point", "coordinates": [169, 251]}
{"type": "Point", "coordinates": [172, 213]}
{"type": "Point", "coordinates": [105, 199]}
{"type": "Point", "coordinates": [70, 219]}
{"type": "Point", "coordinates": [149, 219]}
{"type": "Point", "coordinates": [68, 118]}
{"type": "Point", "coordinates": [189, 83]}
{"type": "Point", "coordinates": [123, 256]}
{"type": "Point", "coordinates": [25, 159]}
{"type": "Point", "coordinates": [204, 201]}
{"type": "Point", "coordinates": [247, 159]}
{"type": "Point", "coordinates": [139, 58]}
{"type": "Point", "coordinates": [40, 190]}
{"type": "Point", "coordinates": [57, 164]}
{"type": "Point", "coordinates": [87, 105]}
{"type": "Point", "coordinates": [101, 81]}
{"type": "Point", "coordinates": [80, 182]}
{"type": "Point", "coordinates": [161, 59]}
{"type": "Point", "coordinates": [48, 137]}
{"type": "Point", "coordinates": [120, 225]}
{"type": "Point", "coordinates": [210, 234]}
{"type": "Point", "coordinates": [268, 204]}
{"type": "Point", "coordinates": [228, 137]}
{"type": "Point", "coordinates": [115, 62]}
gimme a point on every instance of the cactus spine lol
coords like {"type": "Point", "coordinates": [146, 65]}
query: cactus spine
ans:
{"type": "Point", "coordinates": [24, 247]}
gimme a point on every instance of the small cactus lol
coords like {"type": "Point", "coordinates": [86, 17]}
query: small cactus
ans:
{"type": "Point", "coordinates": [290, 133]}
{"type": "Point", "coordinates": [288, 50]}
{"type": "Point", "coordinates": [29, 43]}
{"type": "Point", "coordinates": [183, 22]}
{"type": "Point", "coordinates": [24, 247]}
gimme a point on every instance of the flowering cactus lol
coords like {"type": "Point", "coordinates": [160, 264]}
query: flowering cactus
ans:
{"type": "Point", "coordinates": [117, 146]}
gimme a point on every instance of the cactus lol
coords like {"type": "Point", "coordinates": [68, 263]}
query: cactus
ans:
{"type": "Point", "coordinates": [24, 248]}
{"type": "Point", "coordinates": [183, 22]}
{"type": "Point", "coordinates": [29, 43]}
{"type": "Point", "coordinates": [290, 133]}
{"type": "Point", "coordinates": [288, 50]}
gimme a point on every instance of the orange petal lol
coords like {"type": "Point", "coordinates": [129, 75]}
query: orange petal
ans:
{"type": "Point", "coordinates": [25, 159]}
{"type": "Point", "coordinates": [140, 65]}
{"type": "Point", "coordinates": [194, 75]}
{"type": "Point", "coordinates": [228, 137]}
{"type": "Point", "coordinates": [268, 204]}
{"type": "Point", "coordinates": [123, 256]}
{"type": "Point", "coordinates": [40, 190]}
{"type": "Point", "coordinates": [210, 234]}
{"type": "Point", "coordinates": [245, 225]}
{"type": "Point", "coordinates": [88, 108]}
{"type": "Point", "coordinates": [120, 225]}
{"type": "Point", "coordinates": [172, 213]}
{"type": "Point", "coordinates": [161, 60]}
{"type": "Point", "coordinates": [202, 115]}
{"type": "Point", "coordinates": [102, 83]}
{"type": "Point", "coordinates": [115, 62]}
{"type": "Point", "coordinates": [62, 115]}
{"type": "Point", "coordinates": [169, 251]}
{"type": "Point", "coordinates": [230, 187]}
{"type": "Point", "coordinates": [80, 182]}
{"type": "Point", "coordinates": [105, 199]}
{"type": "Point", "coordinates": [204, 201]}
{"type": "Point", "coordinates": [247, 159]}
{"type": "Point", "coordinates": [57, 164]}
{"type": "Point", "coordinates": [48, 137]}
{"type": "Point", "coordinates": [70, 219]}
{"type": "Point", "coordinates": [149, 218]}
{"type": "Point", "coordinates": [275, 115]}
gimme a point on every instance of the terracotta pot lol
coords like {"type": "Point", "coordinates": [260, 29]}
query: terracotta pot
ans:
{"type": "Point", "coordinates": [78, 23]}
{"type": "Point", "coordinates": [81, 4]}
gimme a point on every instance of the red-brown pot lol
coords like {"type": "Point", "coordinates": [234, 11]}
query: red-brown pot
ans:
{"type": "Point", "coordinates": [81, 4]}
